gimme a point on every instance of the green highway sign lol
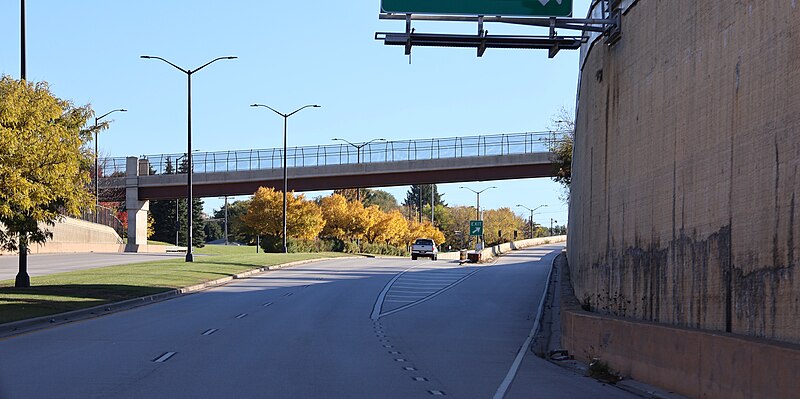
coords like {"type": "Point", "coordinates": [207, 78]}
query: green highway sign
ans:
{"type": "Point", "coordinates": [506, 8]}
{"type": "Point", "coordinates": [476, 227]}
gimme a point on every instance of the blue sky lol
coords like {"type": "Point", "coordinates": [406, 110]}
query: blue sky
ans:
{"type": "Point", "coordinates": [290, 54]}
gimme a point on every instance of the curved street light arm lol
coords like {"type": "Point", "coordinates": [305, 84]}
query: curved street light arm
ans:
{"type": "Point", "coordinates": [302, 108]}
{"type": "Point", "coordinates": [109, 113]}
{"type": "Point", "coordinates": [338, 139]}
{"type": "Point", "coordinates": [148, 57]}
{"type": "Point", "coordinates": [213, 61]}
{"type": "Point", "coordinates": [523, 206]}
{"type": "Point", "coordinates": [272, 109]}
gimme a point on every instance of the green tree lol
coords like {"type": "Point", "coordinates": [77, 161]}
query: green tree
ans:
{"type": "Point", "coordinates": [560, 145]}
{"type": "Point", "coordinates": [419, 195]}
{"type": "Point", "coordinates": [214, 230]}
{"type": "Point", "coordinates": [44, 164]}
{"type": "Point", "coordinates": [166, 224]}
{"type": "Point", "coordinates": [237, 230]}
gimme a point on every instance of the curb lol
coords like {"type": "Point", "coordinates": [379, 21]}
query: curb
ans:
{"type": "Point", "coordinates": [38, 323]}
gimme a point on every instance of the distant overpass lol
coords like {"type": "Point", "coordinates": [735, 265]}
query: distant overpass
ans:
{"type": "Point", "coordinates": [338, 166]}
{"type": "Point", "coordinates": [137, 180]}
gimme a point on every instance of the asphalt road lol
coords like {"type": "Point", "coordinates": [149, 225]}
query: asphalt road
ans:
{"type": "Point", "coordinates": [347, 328]}
{"type": "Point", "coordinates": [42, 264]}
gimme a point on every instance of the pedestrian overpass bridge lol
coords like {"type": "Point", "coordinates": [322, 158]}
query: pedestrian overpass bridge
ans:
{"type": "Point", "coordinates": [136, 180]}
{"type": "Point", "coordinates": [329, 167]}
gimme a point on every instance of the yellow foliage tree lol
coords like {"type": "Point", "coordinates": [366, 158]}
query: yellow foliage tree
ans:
{"type": "Point", "coordinates": [265, 215]}
{"type": "Point", "coordinates": [345, 220]}
{"type": "Point", "coordinates": [497, 220]}
{"type": "Point", "coordinates": [423, 230]}
{"type": "Point", "coordinates": [389, 228]}
{"type": "Point", "coordinates": [44, 164]}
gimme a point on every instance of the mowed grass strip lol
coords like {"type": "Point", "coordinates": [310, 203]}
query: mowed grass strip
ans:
{"type": "Point", "coordinates": [63, 292]}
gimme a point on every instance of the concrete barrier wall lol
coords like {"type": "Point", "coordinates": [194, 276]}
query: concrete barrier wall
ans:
{"type": "Point", "coordinates": [497, 250]}
{"type": "Point", "coordinates": [74, 235]}
{"type": "Point", "coordinates": [685, 172]}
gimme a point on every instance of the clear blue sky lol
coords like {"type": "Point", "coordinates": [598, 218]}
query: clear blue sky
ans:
{"type": "Point", "coordinates": [290, 54]}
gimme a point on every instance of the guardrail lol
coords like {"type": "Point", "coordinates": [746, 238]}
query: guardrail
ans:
{"type": "Point", "coordinates": [341, 154]}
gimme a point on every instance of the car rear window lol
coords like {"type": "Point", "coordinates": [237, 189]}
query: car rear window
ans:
{"type": "Point", "coordinates": [423, 242]}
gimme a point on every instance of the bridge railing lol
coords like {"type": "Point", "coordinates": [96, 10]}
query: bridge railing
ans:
{"type": "Point", "coordinates": [342, 154]}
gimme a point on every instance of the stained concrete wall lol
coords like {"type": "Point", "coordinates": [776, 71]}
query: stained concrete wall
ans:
{"type": "Point", "coordinates": [685, 171]}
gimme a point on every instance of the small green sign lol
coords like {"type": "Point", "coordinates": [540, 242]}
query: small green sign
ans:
{"type": "Point", "coordinates": [507, 8]}
{"type": "Point", "coordinates": [476, 227]}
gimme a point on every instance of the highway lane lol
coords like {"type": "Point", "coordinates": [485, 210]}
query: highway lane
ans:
{"type": "Point", "coordinates": [318, 330]}
{"type": "Point", "coordinates": [43, 264]}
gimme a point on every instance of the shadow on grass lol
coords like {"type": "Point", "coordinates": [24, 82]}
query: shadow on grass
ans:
{"type": "Point", "coordinates": [25, 303]}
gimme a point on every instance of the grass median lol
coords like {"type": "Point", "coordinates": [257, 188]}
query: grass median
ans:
{"type": "Point", "coordinates": [63, 292]}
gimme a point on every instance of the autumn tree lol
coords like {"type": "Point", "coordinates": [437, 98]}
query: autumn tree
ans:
{"type": "Point", "coordinates": [265, 215]}
{"type": "Point", "coordinates": [344, 220]}
{"type": "Point", "coordinates": [389, 228]}
{"type": "Point", "coordinates": [423, 230]}
{"type": "Point", "coordinates": [44, 165]}
{"type": "Point", "coordinates": [501, 220]}
{"type": "Point", "coordinates": [457, 228]}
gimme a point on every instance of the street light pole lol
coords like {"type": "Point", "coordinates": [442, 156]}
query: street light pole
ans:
{"type": "Point", "coordinates": [358, 148]}
{"type": "Point", "coordinates": [478, 202]}
{"type": "Point", "coordinates": [532, 211]}
{"type": "Point", "coordinates": [226, 220]}
{"type": "Point", "coordinates": [189, 72]}
{"type": "Point", "coordinates": [285, 178]}
{"type": "Point", "coordinates": [22, 70]}
{"type": "Point", "coordinates": [97, 160]}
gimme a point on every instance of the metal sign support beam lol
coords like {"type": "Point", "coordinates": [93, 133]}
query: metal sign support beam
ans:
{"type": "Point", "coordinates": [553, 43]}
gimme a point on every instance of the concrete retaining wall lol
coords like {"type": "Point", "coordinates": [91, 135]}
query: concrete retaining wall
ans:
{"type": "Point", "coordinates": [685, 172]}
{"type": "Point", "coordinates": [74, 235]}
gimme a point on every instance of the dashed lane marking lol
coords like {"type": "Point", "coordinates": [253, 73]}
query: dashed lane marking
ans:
{"type": "Point", "coordinates": [210, 331]}
{"type": "Point", "coordinates": [163, 358]}
{"type": "Point", "coordinates": [241, 316]}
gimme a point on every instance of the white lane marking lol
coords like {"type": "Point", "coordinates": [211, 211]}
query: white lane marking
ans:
{"type": "Point", "coordinates": [429, 297]}
{"type": "Point", "coordinates": [163, 358]}
{"type": "Point", "coordinates": [436, 393]}
{"type": "Point", "coordinates": [512, 372]}
{"type": "Point", "coordinates": [211, 331]}
{"type": "Point", "coordinates": [241, 316]}
{"type": "Point", "coordinates": [376, 309]}
{"type": "Point", "coordinates": [267, 304]}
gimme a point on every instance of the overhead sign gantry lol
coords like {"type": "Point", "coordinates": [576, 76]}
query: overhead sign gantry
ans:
{"type": "Point", "coordinates": [520, 8]}
{"type": "Point", "coordinates": [552, 14]}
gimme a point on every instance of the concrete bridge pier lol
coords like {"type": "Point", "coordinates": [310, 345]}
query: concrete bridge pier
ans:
{"type": "Point", "coordinates": [137, 210]}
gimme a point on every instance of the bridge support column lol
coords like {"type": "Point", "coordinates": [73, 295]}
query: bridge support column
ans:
{"type": "Point", "coordinates": [137, 210]}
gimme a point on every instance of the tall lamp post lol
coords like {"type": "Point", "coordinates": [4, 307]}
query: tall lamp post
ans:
{"type": "Point", "coordinates": [97, 160]}
{"type": "Point", "coordinates": [358, 148]}
{"type": "Point", "coordinates": [478, 202]}
{"type": "Point", "coordinates": [285, 179]}
{"type": "Point", "coordinates": [532, 211]}
{"type": "Point", "coordinates": [189, 72]}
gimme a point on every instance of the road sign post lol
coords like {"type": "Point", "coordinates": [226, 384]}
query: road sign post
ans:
{"type": "Point", "coordinates": [507, 8]}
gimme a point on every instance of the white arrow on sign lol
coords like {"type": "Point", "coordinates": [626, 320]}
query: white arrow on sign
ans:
{"type": "Point", "coordinates": [544, 2]}
{"type": "Point", "coordinates": [476, 230]}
